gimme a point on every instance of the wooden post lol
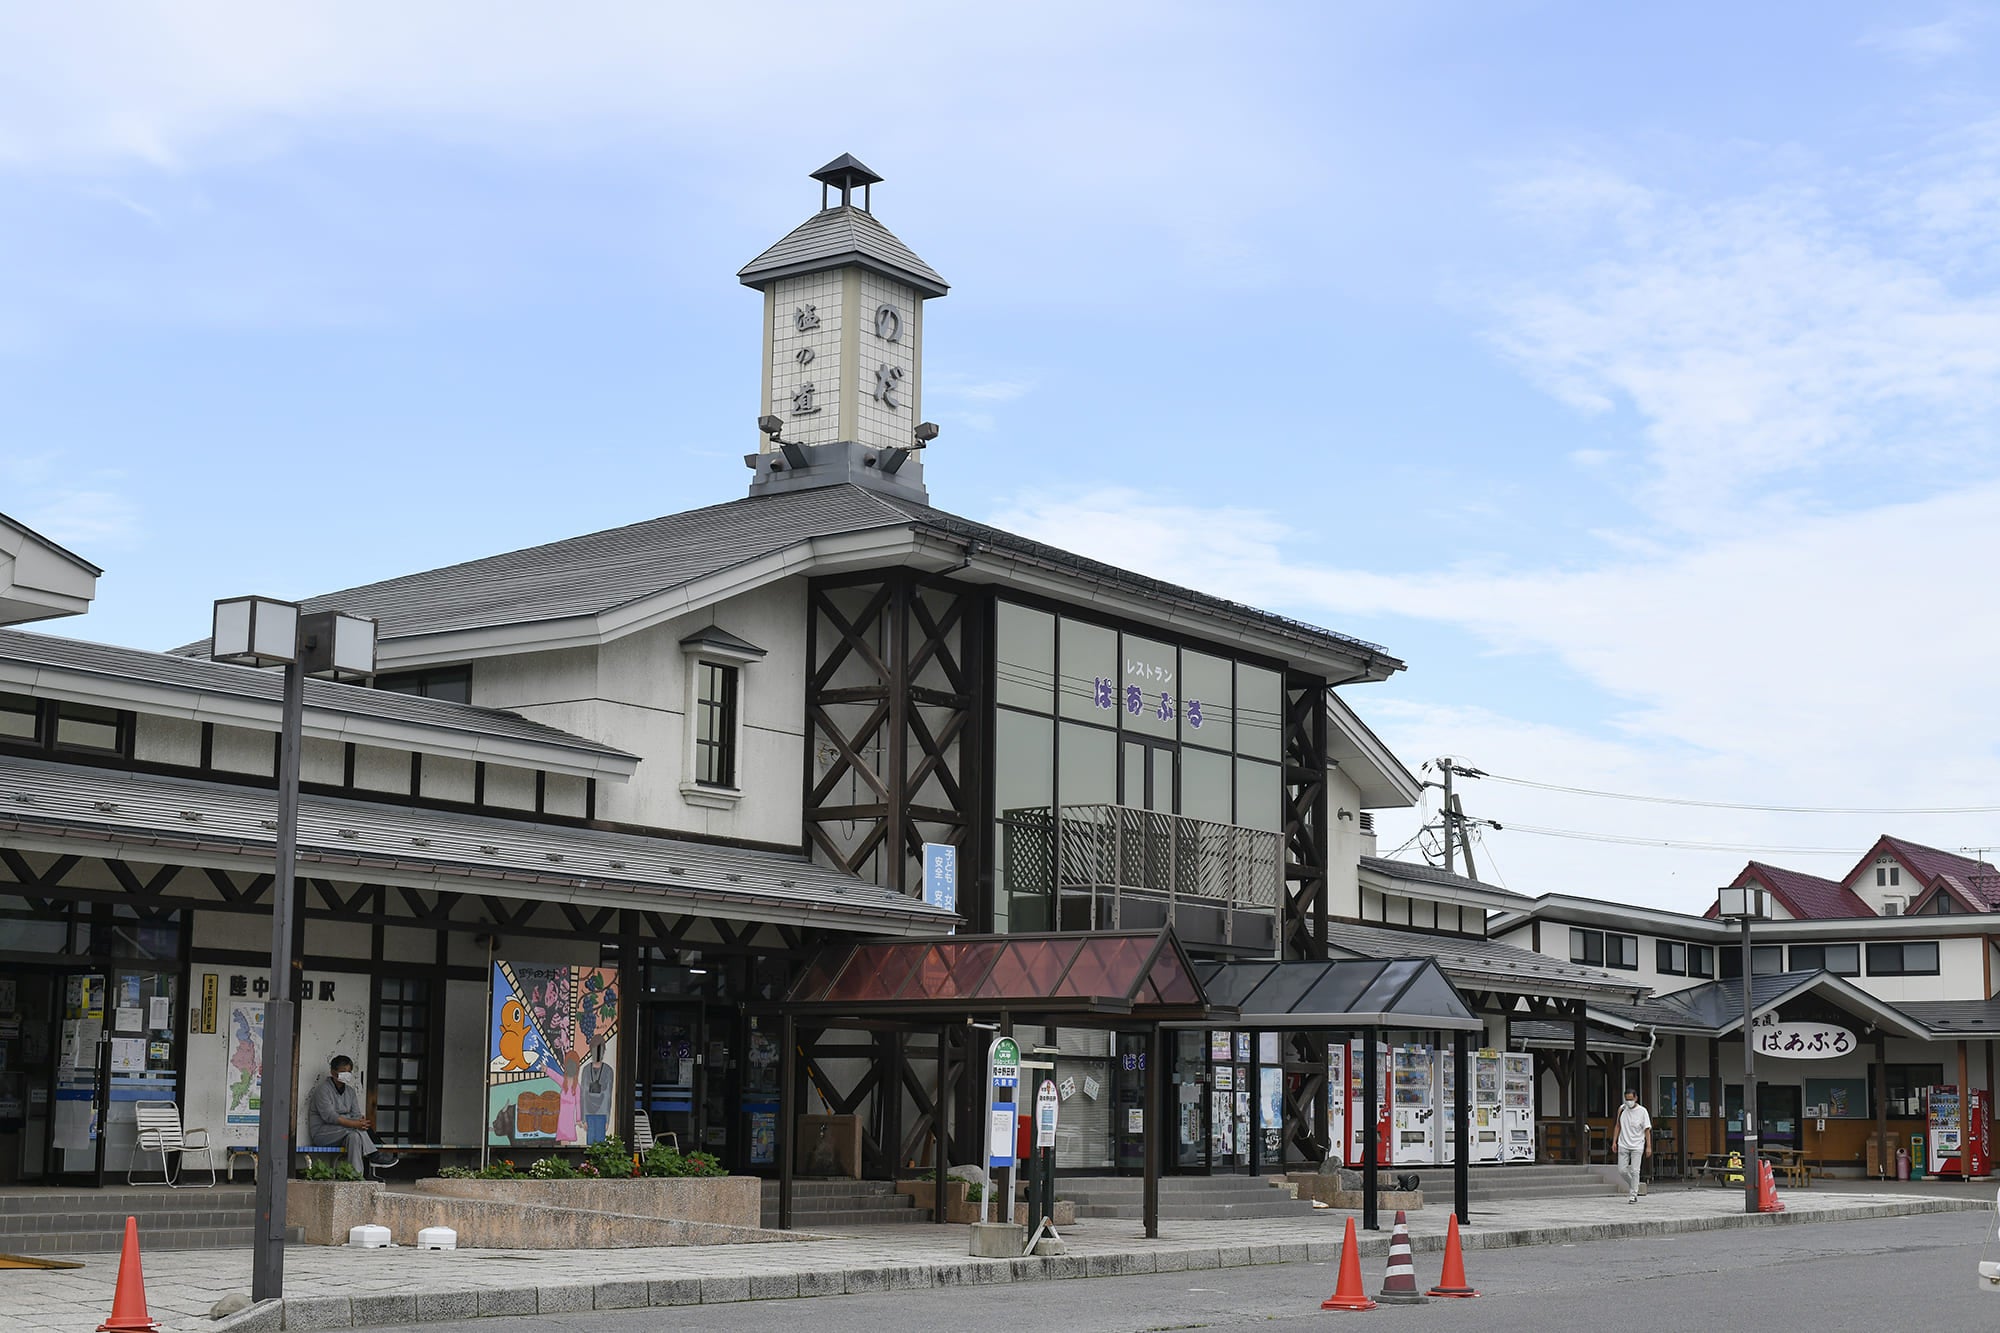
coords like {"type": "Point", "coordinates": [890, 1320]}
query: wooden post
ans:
{"type": "Point", "coordinates": [1681, 1104]}
{"type": "Point", "coordinates": [1579, 1074]}
{"type": "Point", "coordinates": [1886, 1163]}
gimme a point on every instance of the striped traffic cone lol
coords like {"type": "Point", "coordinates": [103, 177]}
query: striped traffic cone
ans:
{"type": "Point", "coordinates": [1399, 1284]}
{"type": "Point", "coordinates": [1348, 1295]}
{"type": "Point", "coordinates": [128, 1298]}
{"type": "Point", "coordinates": [1767, 1190]}
{"type": "Point", "coordinates": [1452, 1281]}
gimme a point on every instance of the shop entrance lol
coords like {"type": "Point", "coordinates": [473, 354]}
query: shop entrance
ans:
{"type": "Point", "coordinates": [1227, 1101]}
{"type": "Point", "coordinates": [702, 1082]}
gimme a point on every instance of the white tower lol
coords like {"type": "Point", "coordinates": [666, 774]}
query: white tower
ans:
{"type": "Point", "coordinates": [843, 345]}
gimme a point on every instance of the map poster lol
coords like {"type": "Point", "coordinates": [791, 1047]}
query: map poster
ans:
{"type": "Point", "coordinates": [246, 1062]}
{"type": "Point", "coordinates": [551, 1073]}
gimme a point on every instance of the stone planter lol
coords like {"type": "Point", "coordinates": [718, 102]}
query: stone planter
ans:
{"type": "Point", "coordinates": [956, 1208]}
{"type": "Point", "coordinates": [1063, 1214]}
{"type": "Point", "coordinates": [325, 1209]}
{"type": "Point", "coordinates": [731, 1201]}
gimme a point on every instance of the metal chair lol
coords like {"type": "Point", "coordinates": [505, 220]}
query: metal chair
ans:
{"type": "Point", "coordinates": [160, 1131]}
{"type": "Point", "coordinates": [643, 1138]}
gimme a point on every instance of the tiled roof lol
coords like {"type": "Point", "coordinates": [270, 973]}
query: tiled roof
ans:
{"type": "Point", "coordinates": [1977, 1017]}
{"type": "Point", "coordinates": [1426, 874]}
{"type": "Point", "coordinates": [1980, 890]}
{"type": "Point", "coordinates": [1927, 862]}
{"type": "Point", "coordinates": [1717, 1006]}
{"type": "Point", "coordinates": [592, 574]}
{"type": "Point", "coordinates": [838, 235]}
{"type": "Point", "coordinates": [1482, 963]}
{"type": "Point", "coordinates": [110, 813]}
{"type": "Point", "coordinates": [199, 676]}
{"type": "Point", "coordinates": [1808, 897]}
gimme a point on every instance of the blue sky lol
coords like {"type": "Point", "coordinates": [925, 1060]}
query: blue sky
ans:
{"type": "Point", "coordinates": [1631, 373]}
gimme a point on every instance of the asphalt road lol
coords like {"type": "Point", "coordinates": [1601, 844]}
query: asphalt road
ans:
{"type": "Point", "coordinates": [1896, 1273]}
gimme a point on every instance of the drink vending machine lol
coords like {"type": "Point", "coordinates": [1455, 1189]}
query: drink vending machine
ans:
{"type": "Point", "coordinates": [1447, 1116]}
{"type": "Point", "coordinates": [1357, 1118]}
{"type": "Point", "coordinates": [1415, 1106]}
{"type": "Point", "coordinates": [1486, 1106]}
{"type": "Point", "coordinates": [1948, 1155]}
{"type": "Point", "coordinates": [1517, 1109]}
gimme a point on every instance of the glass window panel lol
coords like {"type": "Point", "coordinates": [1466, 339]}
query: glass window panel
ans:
{"type": "Point", "coordinates": [1259, 713]}
{"type": "Point", "coordinates": [1920, 959]}
{"type": "Point", "coordinates": [17, 717]}
{"type": "Point", "coordinates": [410, 1070]}
{"type": "Point", "coordinates": [1808, 957]}
{"type": "Point", "coordinates": [1133, 792]}
{"type": "Point", "coordinates": [1766, 960]}
{"type": "Point", "coordinates": [1843, 960]}
{"type": "Point", "coordinates": [1701, 960]}
{"type": "Point", "coordinates": [1149, 676]}
{"type": "Point", "coordinates": [1207, 681]}
{"type": "Point", "coordinates": [1259, 795]}
{"type": "Point", "coordinates": [1024, 666]}
{"type": "Point", "coordinates": [1089, 655]}
{"type": "Point", "coordinates": [1088, 765]}
{"type": "Point", "coordinates": [1205, 786]}
{"type": "Point", "coordinates": [84, 727]}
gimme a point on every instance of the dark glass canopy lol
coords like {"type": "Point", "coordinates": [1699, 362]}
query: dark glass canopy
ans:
{"type": "Point", "coordinates": [1344, 993]}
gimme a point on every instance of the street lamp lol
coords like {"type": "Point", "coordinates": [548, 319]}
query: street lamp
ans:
{"type": "Point", "coordinates": [262, 632]}
{"type": "Point", "coordinates": [1746, 904]}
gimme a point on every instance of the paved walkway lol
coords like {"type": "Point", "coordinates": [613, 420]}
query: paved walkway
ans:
{"type": "Point", "coordinates": [331, 1287]}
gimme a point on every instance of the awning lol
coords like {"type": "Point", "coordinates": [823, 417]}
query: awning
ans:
{"type": "Point", "coordinates": [1146, 975]}
{"type": "Point", "coordinates": [1344, 993]}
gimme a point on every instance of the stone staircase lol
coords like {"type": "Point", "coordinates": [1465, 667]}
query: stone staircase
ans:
{"type": "Point", "coordinates": [63, 1220]}
{"type": "Point", "coordinates": [1182, 1198]}
{"type": "Point", "coordinates": [817, 1204]}
{"type": "Point", "coordinates": [1489, 1184]}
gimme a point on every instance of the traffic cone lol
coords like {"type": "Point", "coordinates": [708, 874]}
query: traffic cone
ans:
{"type": "Point", "coordinates": [1767, 1190]}
{"type": "Point", "coordinates": [1399, 1283]}
{"type": "Point", "coordinates": [128, 1302]}
{"type": "Point", "coordinates": [1452, 1281]}
{"type": "Point", "coordinates": [1348, 1294]}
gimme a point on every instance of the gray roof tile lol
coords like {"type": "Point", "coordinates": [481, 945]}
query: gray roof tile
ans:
{"type": "Point", "coordinates": [842, 235]}
{"type": "Point", "coordinates": [1425, 874]}
{"type": "Point", "coordinates": [1484, 961]}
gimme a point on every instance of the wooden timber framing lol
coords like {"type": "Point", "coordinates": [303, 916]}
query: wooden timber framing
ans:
{"type": "Point", "coordinates": [896, 715]}
{"type": "Point", "coordinates": [1302, 931]}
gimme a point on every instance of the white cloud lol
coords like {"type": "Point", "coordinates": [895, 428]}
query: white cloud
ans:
{"type": "Point", "coordinates": [72, 509]}
{"type": "Point", "coordinates": [1923, 43]}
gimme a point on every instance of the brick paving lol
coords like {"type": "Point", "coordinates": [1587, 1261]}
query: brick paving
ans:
{"type": "Point", "coordinates": [333, 1287]}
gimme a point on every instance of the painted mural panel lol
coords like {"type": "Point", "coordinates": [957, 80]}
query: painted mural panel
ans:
{"type": "Point", "coordinates": [551, 1069]}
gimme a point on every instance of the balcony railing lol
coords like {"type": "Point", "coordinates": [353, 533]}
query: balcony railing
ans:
{"type": "Point", "coordinates": [1117, 866]}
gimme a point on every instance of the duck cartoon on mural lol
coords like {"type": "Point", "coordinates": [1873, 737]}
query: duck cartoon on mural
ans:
{"type": "Point", "coordinates": [511, 1046]}
{"type": "Point", "coordinates": [549, 1024]}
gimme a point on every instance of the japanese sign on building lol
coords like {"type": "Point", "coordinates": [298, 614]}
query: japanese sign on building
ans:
{"type": "Point", "coordinates": [1800, 1041]}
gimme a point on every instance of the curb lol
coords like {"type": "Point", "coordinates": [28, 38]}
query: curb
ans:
{"type": "Point", "coordinates": [338, 1312]}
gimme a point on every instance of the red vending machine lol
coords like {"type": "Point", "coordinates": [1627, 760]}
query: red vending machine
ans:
{"type": "Point", "coordinates": [1950, 1154]}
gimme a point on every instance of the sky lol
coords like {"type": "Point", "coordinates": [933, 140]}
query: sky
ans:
{"type": "Point", "coordinates": [1630, 372]}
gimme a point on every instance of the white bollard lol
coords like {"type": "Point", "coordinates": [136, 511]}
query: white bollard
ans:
{"type": "Point", "coordinates": [368, 1237]}
{"type": "Point", "coordinates": [437, 1238]}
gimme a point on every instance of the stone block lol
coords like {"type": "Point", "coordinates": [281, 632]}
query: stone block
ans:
{"type": "Point", "coordinates": [1204, 1259]}
{"type": "Point", "coordinates": [433, 1305]}
{"type": "Point", "coordinates": [325, 1210]}
{"type": "Point", "coordinates": [729, 1201]}
{"type": "Point", "coordinates": [507, 1300]}
{"type": "Point", "coordinates": [1232, 1256]}
{"type": "Point", "coordinates": [1292, 1253]}
{"type": "Point", "coordinates": [1322, 1251]}
{"type": "Point", "coordinates": [564, 1300]}
{"type": "Point", "coordinates": [383, 1310]}
{"type": "Point", "coordinates": [995, 1240]}
{"type": "Point", "coordinates": [263, 1317]}
{"type": "Point", "coordinates": [774, 1286]}
{"type": "Point", "coordinates": [1170, 1261]}
{"type": "Point", "coordinates": [859, 1281]}
{"type": "Point", "coordinates": [723, 1290]}
{"type": "Point", "coordinates": [674, 1291]}
{"type": "Point", "coordinates": [1265, 1254]}
{"type": "Point", "coordinates": [825, 1282]}
{"type": "Point", "coordinates": [1118, 1265]}
{"type": "Point", "coordinates": [317, 1312]}
{"type": "Point", "coordinates": [620, 1295]}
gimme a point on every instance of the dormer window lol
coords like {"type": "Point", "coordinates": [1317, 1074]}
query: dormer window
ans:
{"type": "Point", "coordinates": [712, 763]}
{"type": "Point", "coordinates": [1888, 877]}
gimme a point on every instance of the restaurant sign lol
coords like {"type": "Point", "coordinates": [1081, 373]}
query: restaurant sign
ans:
{"type": "Point", "coordinates": [1801, 1041]}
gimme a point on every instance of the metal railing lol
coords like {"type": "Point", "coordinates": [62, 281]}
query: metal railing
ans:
{"type": "Point", "coordinates": [1105, 852]}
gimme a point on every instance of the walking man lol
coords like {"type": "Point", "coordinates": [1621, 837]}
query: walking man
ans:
{"type": "Point", "coordinates": [1635, 1142]}
{"type": "Point", "coordinates": [335, 1119]}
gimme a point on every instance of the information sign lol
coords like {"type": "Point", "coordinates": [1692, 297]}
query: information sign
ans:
{"type": "Point", "coordinates": [941, 875]}
{"type": "Point", "coordinates": [1000, 1151]}
{"type": "Point", "coordinates": [1046, 1100]}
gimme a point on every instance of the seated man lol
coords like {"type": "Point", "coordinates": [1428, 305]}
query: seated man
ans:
{"type": "Point", "coordinates": [334, 1117]}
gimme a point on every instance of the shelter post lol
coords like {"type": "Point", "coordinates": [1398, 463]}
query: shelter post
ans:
{"type": "Point", "coordinates": [1717, 1140]}
{"type": "Point", "coordinates": [1882, 1158]}
{"type": "Point", "coordinates": [1371, 1133]}
{"type": "Point", "coordinates": [1964, 1114]}
{"type": "Point", "coordinates": [788, 1093]}
{"type": "Point", "coordinates": [1461, 1131]}
{"type": "Point", "coordinates": [940, 1126]}
{"type": "Point", "coordinates": [1579, 1083]}
{"type": "Point", "coordinates": [1154, 1127]}
{"type": "Point", "coordinates": [1681, 1106]}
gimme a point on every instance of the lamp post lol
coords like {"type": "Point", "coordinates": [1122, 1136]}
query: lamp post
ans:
{"type": "Point", "coordinates": [1745, 905]}
{"type": "Point", "coordinates": [263, 631]}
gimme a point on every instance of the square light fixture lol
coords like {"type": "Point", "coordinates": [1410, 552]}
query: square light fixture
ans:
{"type": "Point", "coordinates": [1747, 902]}
{"type": "Point", "coordinates": [255, 631]}
{"type": "Point", "coordinates": [338, 645]}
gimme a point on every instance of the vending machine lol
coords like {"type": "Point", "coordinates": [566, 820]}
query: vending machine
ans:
{"type": "Point", "coordinates": [1415, 1106]}
{"type": "Point", "coordinates": [1336, 1100]}
{"type": "Point", "coordinates": [1517, 1106]}
{"type": "Point", "coordinates": [1486, 1128]}
{"type": "Point", "coordinates": [1948, 1154]}
{"type": "Point", "coordinates": [1357, 1117]}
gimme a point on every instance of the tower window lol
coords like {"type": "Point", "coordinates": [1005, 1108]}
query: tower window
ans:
{"type": "Point", "coordinates": [715, 725]}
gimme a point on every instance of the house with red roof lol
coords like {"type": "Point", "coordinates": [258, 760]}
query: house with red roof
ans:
{"type": "Point", "coordinates": [1798, 896]}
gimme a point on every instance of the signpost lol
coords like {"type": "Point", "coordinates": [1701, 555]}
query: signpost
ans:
{"type": "Point", "coordinates": [941, 875]}
{"type": "Point", "coordinates": [1003, 1064]}
{"type": "Point", "coordinates": [1042, 1181]}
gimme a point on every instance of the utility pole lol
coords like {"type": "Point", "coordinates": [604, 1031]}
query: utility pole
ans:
{"type": "Point", "coordinates": [1451, 814]}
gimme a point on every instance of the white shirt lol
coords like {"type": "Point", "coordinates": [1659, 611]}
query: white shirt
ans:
{"type": "Point", "coordinates": [1633, 1125]}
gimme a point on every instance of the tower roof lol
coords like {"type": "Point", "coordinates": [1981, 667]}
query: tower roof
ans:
{"type": "Point", "coordinates": [840, 235]}
{"type": "Point", "coordinates": [846, 171]}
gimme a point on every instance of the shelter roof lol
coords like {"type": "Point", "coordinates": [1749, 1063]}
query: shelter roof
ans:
{"type": "Point", "coordinates": [1481, 964]}
{"type": "Point", "coordinates": [843, 234]}
{"type": "Point", "coordinates": [1141, 973]}
{"type": "Point", "coordinates": [1365, 992]}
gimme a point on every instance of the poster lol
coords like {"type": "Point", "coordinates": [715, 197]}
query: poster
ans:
{"type": "Point", "coordinates": [127, 1019]}
{"type": "Point", "coordinates": [246, 1063]}
{"type": "Point", "coordinates": [551, 1068]}
{"type": "Point", "coordinates": [160, 1012]}
{"type": "Point", "coordinates": [128, 1055]}
{"type": "Point", "coordinates": [1218, 1045]}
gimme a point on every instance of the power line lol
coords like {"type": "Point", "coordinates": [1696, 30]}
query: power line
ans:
{"type": "Point", "coordinates": [1634, 840]}
{"type": "Point", "coordinates": [1766, 809]}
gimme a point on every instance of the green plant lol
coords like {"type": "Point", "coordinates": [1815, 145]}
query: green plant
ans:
{"type": "Point", "coordinates": [457, 1173]}
{"type": "Point", "coordinates": [552, 1168]}
{"type": "Point", "coordinates": [665, 1161]}
{"type": "Point", "coordinates": [609, 1158]}
{"type": "Point", "coordinates": [500, 1169]}
{"type": "Point", "coordinates": [337, 1168]}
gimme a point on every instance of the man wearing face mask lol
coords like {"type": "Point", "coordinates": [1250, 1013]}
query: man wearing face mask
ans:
{"type": "Point", "coordinates": [335, 1119]}
{"type": "Point", "coordinates": [1635, 1141]}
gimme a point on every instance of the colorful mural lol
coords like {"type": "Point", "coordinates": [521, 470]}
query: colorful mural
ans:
{"type": "Point", "coordinates": [552, 1055]}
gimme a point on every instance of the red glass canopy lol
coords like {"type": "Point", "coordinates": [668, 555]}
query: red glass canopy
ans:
{"type": "Point", "coordinates": [1111, 972]}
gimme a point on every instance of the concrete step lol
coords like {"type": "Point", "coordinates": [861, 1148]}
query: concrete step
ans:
{"type": "Point", "coordinates": [1181, 1212]}
{"type": "Point", "coordinates": [816, 1220]}
{"type": "Point", "coordinates": [103, 1241]}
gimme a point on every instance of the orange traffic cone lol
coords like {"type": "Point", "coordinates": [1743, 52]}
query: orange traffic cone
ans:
{"type": "Point", "coordinates": [1399, 1283]}
{"type": "Point", "coordinates": [1348, 1294]}
{"type": "Point", "coordinates": [1767, 1190]}
{"type": "Point", "coordinates": [1452, 1281]}
{"type": "Point", "coordinates": [128, 1302]}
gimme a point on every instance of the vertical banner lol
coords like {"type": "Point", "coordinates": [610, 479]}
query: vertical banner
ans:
{"type": "Point", "coordinates": [551, 1069]}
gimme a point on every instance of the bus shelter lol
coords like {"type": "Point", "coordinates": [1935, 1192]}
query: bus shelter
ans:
{"type": "Point", "coordinates": [956, 986]}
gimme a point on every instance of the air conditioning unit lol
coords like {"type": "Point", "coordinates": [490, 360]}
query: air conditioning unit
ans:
{"type": "Point", "coordinates": [1892, 907]}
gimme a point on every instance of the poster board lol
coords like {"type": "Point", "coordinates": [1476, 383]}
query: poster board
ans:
{"type": "Point", "coordinates": [552, 1055]}
{"type": "Point", "coordinates": [1837, 1099]}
